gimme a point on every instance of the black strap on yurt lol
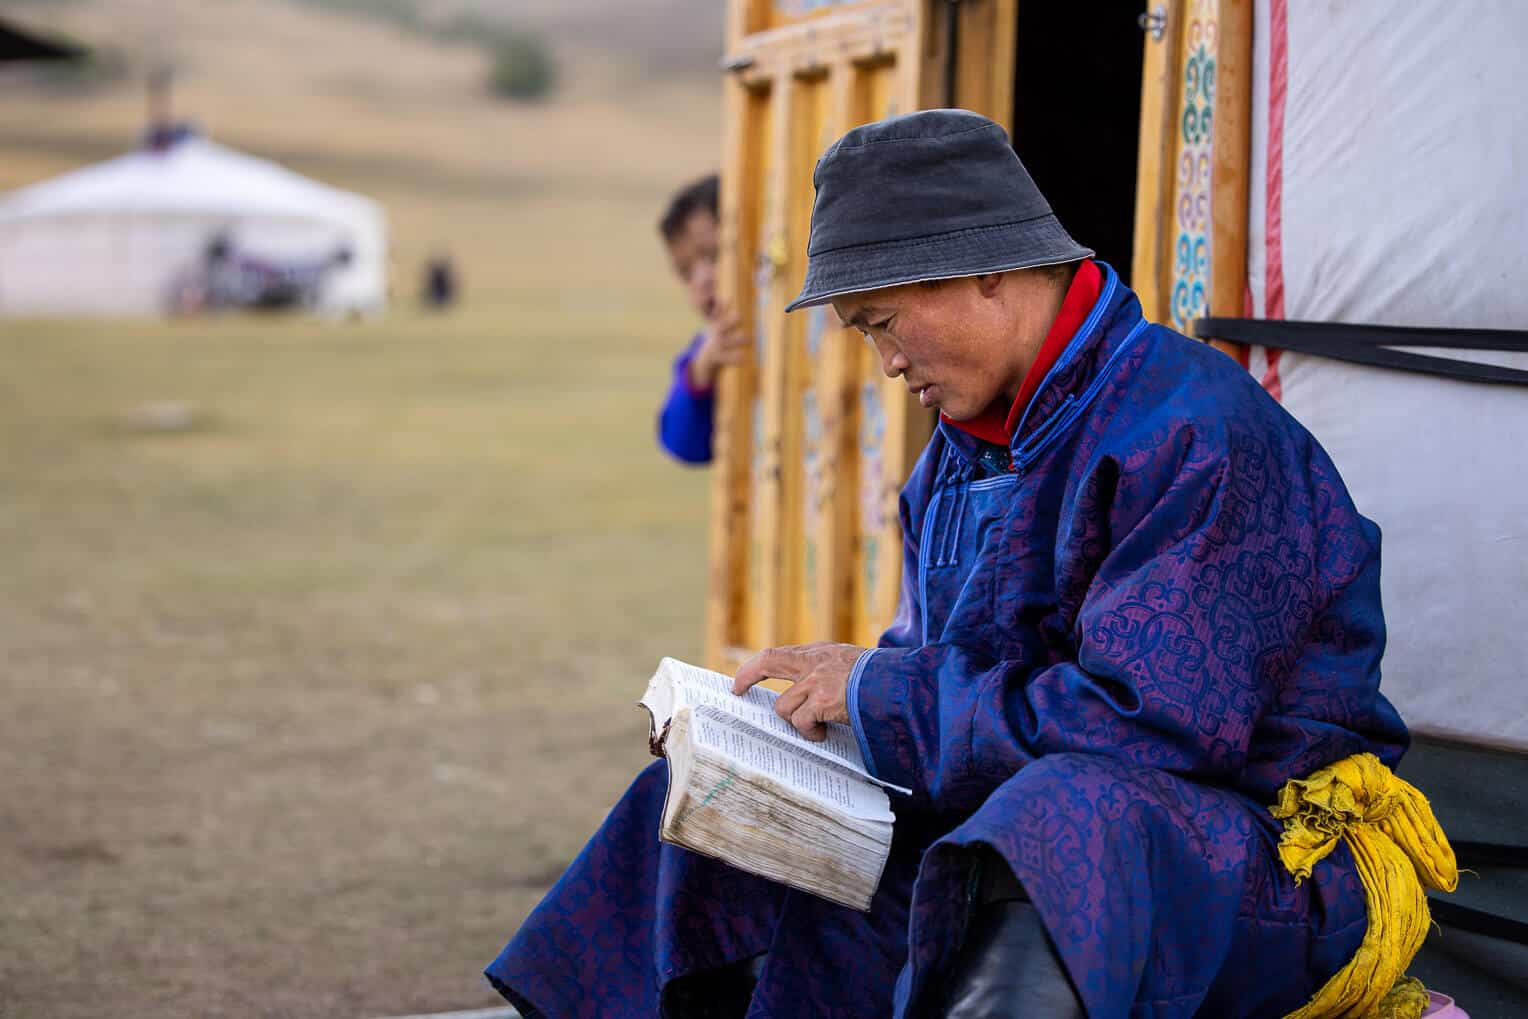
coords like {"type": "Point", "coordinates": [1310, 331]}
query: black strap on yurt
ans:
{"type": "Point", "coordinates": [1489, 854]}
{"type": "Point", "coordinates": [1471, 855]}
{"type": "Point", "coordinates": [1478, 921]}
{"type": "Point", "coordinates": [1376, 346]}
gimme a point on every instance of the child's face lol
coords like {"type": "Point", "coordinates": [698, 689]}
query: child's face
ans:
{"type": "Point", "coordinates": [693, 254]}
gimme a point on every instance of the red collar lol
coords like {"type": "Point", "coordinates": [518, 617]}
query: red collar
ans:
{"type": "Point", "coordinates": [996, 424]}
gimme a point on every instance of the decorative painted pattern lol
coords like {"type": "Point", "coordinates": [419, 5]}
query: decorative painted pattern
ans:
{"type": "Point", "coordinates": [756, 474]}
{"type": "Point", "coordinates": [816, 329]}
{"type": "Point", "coordinates": [763, 291]}
{"type": "Point", "coordinates": [814, 490]}
{"type": "Point", "coordinates": [1191, 245]}
{"type": "Point", "coordinates": [872, 444]}
{"type": "Point", "coordinates": [812, 484]}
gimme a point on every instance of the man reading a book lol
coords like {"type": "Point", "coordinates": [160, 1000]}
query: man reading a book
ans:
{"type": "Point", "coordinates": [1138, 605]}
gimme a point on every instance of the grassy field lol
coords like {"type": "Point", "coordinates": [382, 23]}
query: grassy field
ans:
{"type": "Point", "coordinates": [306, 704]}
{"type": "Point", "coordinates": [307, 701]}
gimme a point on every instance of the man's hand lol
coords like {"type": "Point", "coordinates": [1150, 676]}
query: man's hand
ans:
{"type": "Point", "coordinates": [820, 683]}
{"type": "Point", "coordinates": [724, 343]}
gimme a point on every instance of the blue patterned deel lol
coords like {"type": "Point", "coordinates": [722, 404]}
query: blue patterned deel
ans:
{"type": "Point", "coordinates": [1107, 659]}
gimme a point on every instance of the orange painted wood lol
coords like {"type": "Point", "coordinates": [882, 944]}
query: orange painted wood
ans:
{"type": "Point", "coordinates": [1151, 258]}
{"type": "Point", "coordinates": [1233, 144]}
{"type": "Point", "coordinates": [727, 533]}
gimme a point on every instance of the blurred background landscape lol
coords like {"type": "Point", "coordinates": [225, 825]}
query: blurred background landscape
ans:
{"type": "Point", "coordinates": [309, 697]}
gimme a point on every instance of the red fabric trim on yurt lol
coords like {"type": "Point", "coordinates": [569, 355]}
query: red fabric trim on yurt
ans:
{"type": "Point", "coordinates": [1278, 91]}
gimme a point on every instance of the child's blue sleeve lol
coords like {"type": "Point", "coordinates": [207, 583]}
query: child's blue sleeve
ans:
{"type": "Point", "coordinates": [684, 423]}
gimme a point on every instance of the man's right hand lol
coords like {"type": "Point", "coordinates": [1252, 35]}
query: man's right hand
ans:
{"type": "Point", "coordinates": [724, 343]}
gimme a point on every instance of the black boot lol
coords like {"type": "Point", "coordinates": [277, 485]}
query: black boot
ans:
{"type": "Point", "coordinates": [1006, 966]}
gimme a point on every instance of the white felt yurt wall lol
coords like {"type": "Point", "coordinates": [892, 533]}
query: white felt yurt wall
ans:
{"type": "Point", "coordinates": [1388, 169]}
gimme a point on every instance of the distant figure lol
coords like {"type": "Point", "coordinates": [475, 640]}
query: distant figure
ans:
{"type": "Point", "coordinates": [689, 229]}
{"type": "Point", "coordinates": [228, 278]}
{"type": "Point", "coordinates": [439, 283]}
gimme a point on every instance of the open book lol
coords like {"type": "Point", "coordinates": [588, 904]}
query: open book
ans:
{"type": "Point", "coordinates": [746, 788]}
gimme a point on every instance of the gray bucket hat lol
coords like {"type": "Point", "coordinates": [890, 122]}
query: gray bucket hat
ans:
{"type": "Point", "coordinates": [931, 195]}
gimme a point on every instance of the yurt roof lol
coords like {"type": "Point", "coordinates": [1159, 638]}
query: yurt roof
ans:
{"type": "Point", "coordinates": [194, 176]}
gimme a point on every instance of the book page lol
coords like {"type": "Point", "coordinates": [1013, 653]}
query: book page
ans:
{"type": "Point", "coordinates": [786, 764]}
{"type": "Point", "coordinates": [658, 699]}
{"type": "Point", "coordinates": [697, 687]}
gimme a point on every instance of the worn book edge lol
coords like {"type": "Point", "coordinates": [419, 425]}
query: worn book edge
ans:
{"type": "Point", "coordinates": [678, 808]}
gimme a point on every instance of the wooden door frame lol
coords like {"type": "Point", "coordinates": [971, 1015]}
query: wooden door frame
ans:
{"type": "Point", "coordinates": [781, 52]}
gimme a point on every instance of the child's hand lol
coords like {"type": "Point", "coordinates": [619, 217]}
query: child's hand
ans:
{"type": "Point", "coordinates": [724, 343]}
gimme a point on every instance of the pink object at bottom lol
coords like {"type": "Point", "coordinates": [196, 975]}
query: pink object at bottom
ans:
{"type": "Point", "coordinates": [1441, 1006]}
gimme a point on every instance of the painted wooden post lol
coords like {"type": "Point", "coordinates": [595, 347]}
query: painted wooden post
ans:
{"type": "Point", "coordinates": [831, 468]}
{"type": "Point", "coordinates": [766, 557]}
{"type": "Point", "coordinates": [1189, 292]}
{"type": "Point", "coordinates": [732, 436]}
{"type": "Point", "coordinates": [893, 430]}
{"type": "Point", "coordinates": [1191, 196]}
{"type": "Point", "coordinates": [1229, 188]}
{"type": "Point", "coordinates": [1151, 266]}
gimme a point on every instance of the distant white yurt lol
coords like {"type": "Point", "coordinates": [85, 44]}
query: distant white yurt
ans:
{"type": "Point", "coordinates": [114, 238]}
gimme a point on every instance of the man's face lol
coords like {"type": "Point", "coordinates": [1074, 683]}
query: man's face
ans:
{"type": "Point", "coordinates": [960, 345]}
{"type": "Point", "coordinates": [693, 254]}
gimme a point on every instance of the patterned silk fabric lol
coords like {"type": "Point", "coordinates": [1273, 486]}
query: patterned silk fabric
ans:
{"type": "Point", "coordinates": [1115, 644]}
